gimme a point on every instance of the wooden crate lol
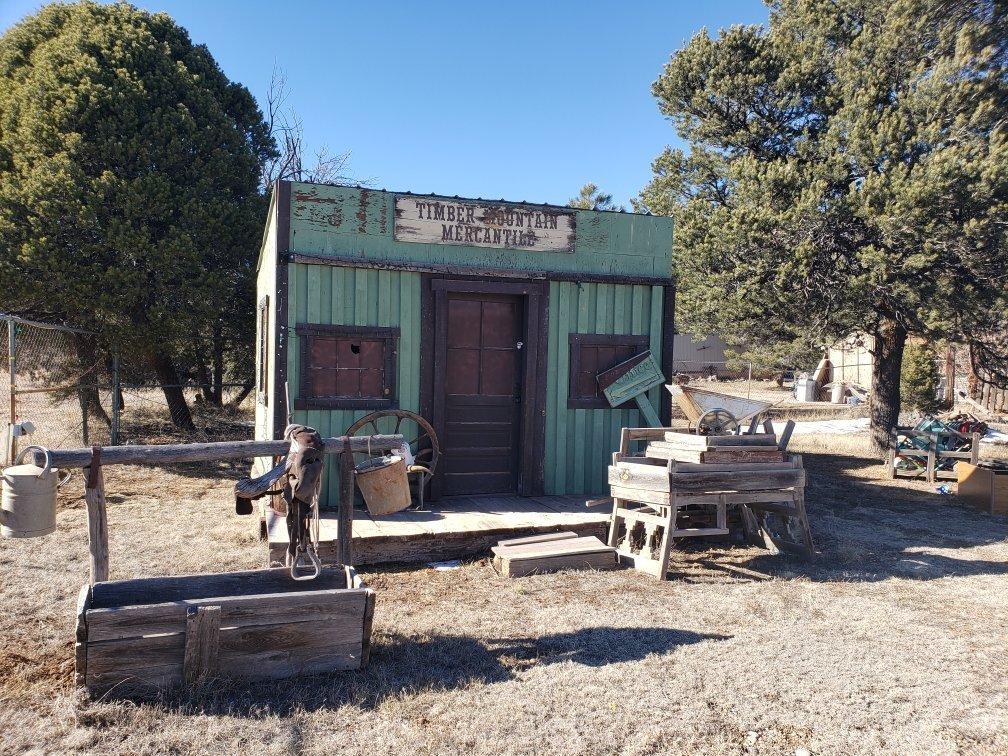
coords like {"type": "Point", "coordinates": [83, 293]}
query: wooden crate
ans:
{"type": "Point", "coordinates": [674, 499]}
{"type": "Point", "coordinates": [983, 487]}
{"type": "Point", "coordinates": [144, 636]}
{"type": "Point", "coordinates": [929, 452]}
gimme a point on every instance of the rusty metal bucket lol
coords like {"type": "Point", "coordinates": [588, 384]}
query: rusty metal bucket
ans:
{"type": "Point", "coordinates": [384, 485]}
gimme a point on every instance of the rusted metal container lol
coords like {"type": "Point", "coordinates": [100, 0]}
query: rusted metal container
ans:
{"type": "Point", "coordinates": [384, 485]}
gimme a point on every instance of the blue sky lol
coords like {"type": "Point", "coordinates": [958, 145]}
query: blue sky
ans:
{"type": "Point", "coordinates": [524, 100]}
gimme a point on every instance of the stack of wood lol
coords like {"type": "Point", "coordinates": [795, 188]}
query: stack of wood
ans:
{"type": "Point", "coordinates": [685, 484]}
{"type": "Point", "coordinates": [551, 552]}
{"type": "Point", "coordinates": [690, 447]}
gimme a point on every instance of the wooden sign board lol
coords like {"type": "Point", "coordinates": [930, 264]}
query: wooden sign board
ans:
{"type": "Point", "coordinates": [639, 375]}
{"type": "Point", "coordinates": [632, 380]}
{"type": "Point", "coordinates": [439, 220]}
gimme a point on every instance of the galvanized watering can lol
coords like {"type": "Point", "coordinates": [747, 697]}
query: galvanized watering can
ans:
{"type": "Point", "coordinates": [29, 498]}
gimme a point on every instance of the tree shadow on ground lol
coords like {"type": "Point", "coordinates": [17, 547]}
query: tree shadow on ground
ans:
{"type": "Point", "coordinates": [403, 665]}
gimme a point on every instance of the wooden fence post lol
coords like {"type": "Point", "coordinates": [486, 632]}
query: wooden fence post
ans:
{"type": "Point", "coordinates": [202, 643]}
{"type": "Point", "coordinates": [346, 501]}
{"type": "Point", "coordinates": [94, 496]}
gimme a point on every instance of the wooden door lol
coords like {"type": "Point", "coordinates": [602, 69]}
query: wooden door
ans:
{"type": "Point", "coordinates": [481, 375]}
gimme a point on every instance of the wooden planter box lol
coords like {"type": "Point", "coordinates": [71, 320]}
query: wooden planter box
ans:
{"type": "Point", "coordinates": [140, 637]}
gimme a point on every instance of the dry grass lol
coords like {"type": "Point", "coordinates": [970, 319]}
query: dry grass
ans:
{"type": "Point", "coordinates": [892, 640]}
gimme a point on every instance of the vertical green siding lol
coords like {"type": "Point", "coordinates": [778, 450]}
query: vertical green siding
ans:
{"type": "Point", "coordinates": [354, 296]}
{"type": "Point", "coordinates": [580, 442]}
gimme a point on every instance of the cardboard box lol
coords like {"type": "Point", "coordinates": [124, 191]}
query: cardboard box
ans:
{"type": "Point", "coordinates": [983, 487]}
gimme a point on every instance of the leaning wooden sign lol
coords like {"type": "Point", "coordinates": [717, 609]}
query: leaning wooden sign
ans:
{"type": "Point", "coordinates": [439, 220]}
{"type": "Point", "coordinates": [632, 380]}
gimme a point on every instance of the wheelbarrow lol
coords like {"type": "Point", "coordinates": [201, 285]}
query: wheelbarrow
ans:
{"type": "Point", "coordinates": [714, 414]}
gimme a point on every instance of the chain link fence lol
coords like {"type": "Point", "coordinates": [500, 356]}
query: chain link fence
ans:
{"type": "Point", "coordinates": [52, 394]}
{"type": "Point", "coordinates": [58, 391]}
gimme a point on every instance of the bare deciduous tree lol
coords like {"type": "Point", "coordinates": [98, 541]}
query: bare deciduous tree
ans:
{"type": "Point", "coordinates": [287, 128]}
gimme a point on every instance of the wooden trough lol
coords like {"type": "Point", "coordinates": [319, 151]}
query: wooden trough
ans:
{"type": "Point", "coordinates": [146, 636]}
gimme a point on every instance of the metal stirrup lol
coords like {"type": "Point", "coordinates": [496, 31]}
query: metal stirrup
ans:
{"type": "Point", "coordinates": [297, 564]}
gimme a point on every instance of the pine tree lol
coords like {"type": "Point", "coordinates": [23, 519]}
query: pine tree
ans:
{"type": "Point", "coordinates": [846, 171]}
{"type": "Point", "coordinates": [129, 183]}
{"type": "Point", "coordinates": [592, 198]}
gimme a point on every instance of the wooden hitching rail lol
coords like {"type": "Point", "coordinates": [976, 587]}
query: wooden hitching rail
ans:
{"type": "Point", "coordinates": [92, 460]}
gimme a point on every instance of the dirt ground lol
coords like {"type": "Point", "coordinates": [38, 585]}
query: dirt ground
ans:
{"type": "Point", "coordinates": [893, 639]}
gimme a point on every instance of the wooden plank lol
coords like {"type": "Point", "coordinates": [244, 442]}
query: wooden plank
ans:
{"type": "Point", "coordinates": [235, 611]}
{"type": "Point", "coordinates": [346, 502]}
{"type": "Point", "coordinates": [81, 635]}
{"type": "Point", "coordinates": [785, 436]}
{"type": "Point", "coordinates": [272, 664]}
{"type": "Point", "coordinates": [537, 538]}
{"type": "Point", "coordinates": [673, 454]}
{"type": "Point", "coordinates": [643, 496]}
{"type": "Point", "coordinates": [455, 545]}
{"type": "Point", "coordinates": [639, 515]}
{"type": "Point", "coordinates": [206, 452]}
{"type": "Point", "coordinates": [520, 566]}
{"type": "Point", "coordinates": [97, 517]}
{"type": "Point", "coordinates": [746, 481]}
{"type": "Point", "coordinates": [733, 467]}
{"type": "Point", "coordinates": [685, 440]}
{"type": "Point", "coordinates": [202, 643]}
{"type": "Point", "coordinates": [743, 454]}
{"type": "Point", "coordinates": [582, 545]}
{"type": "Point", "coordinates": [698, 532]}
{"type": "Point", "coordinates": [692, 441]}
{"type": "Point", "coordinates": [119, 593]}
{"type": "Point", "coordinates": [630, 435]}
{"type": "Point", "coordinates": [365, 656]}
{"type": "Point", "coordinates": [240, 649]}
{"type": "Point", "coordinates": [648, 477]}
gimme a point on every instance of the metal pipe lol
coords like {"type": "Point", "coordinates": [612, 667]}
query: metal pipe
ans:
{"type": "Point", "coordinates": [12, 367]}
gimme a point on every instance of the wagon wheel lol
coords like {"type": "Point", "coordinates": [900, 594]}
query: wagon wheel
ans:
{"type": "Point", "coordinates": [416, 431]}
{"type": "Point", "coordinates": [716, 422]}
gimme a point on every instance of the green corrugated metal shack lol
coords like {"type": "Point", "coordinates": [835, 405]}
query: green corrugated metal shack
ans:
{"type": "Point", "coordinates": [489, 318]}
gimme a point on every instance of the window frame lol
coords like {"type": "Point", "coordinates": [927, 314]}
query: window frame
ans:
{"type": "Point", "coordinates": [262, 379]}
{"type": "Point", "coordinates": [390, 351]}
{"type": "Point", "coordinates": [641, 342]}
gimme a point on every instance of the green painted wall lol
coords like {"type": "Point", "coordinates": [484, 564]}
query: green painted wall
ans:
{"type": "Point", "coordinates": [354, 296]}
{"type": "Point", "coordinates": [350, 222]}
{"type": "Point", "coordinates": [580, 442]}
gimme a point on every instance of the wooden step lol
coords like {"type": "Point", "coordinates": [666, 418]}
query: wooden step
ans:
{"type": "Point", "coordinates": [553, 555]}
{"type": "Point", "coordinates": [541, 538]}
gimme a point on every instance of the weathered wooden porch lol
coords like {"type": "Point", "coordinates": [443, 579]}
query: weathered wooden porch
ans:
{"type": "Point", "coordinates": [453, 528]}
